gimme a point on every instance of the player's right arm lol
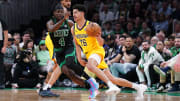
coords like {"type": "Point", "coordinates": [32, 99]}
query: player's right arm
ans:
{"type": "Point", "coordinates": [78, 49]}
{"type": "Point", "coordinates": [53, 27]}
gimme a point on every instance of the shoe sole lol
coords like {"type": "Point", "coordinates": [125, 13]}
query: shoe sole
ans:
{"type": "Point", "coordinates": [97, 93]}
{"type": "Point", "coordinates": [158, 70]}
{"type": "Point", "coordinates": [113, 92]}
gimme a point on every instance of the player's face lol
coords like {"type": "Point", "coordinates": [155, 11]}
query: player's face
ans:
{"type": "Point", "coordinates": [77, 15]}
{"type": "Point", "coordinates": [66, 3]}
{"type": "Point", "coordinates": [145, 46]}
{"type": "Point", "coordinates": [59, 13]}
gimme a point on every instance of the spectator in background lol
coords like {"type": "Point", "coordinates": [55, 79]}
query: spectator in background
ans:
{"type": "Point", "coordinates": [30, 46]}
{"type": "Point", "coordinates": [176, 9]}
{"type": "Point", "coordinates": [136, 11]}
{"type": "Point", "coordinates": [164, 53]}
{"type": "Point", "coordinates": [161, 23]}
{"type": "Point", "coordinates": [118, 29]}
{"type": "Point", "coordinates": [130, 30]}
{"type": "Point", "coordinates": [171, 64]}
{"type": "Point", "coordinates": [17, 39]}
{"type": "Point", "coordinates": [123, 11]}
{"type": "Point", "coordinates": [31, 32]}
{"type": "Point", "coordinates": [9, 59]}
{"type": "Point", "coordinates": [126, 60]}
{"type": "Point", "coordinates": [43, 58]}
{"type": "Point", "coordinates": [177, 28]}
{"type": "Point", "coordinates": [139, 41]}
{"type": "Point", "coordinates": [176, 49]}
{"type": "Point", "coordinates": [26, 36]}
{"type": "Point", "coordinates": [149, 57]}
{"type": "Point", "coordinates": [95, 18]}
{"type": "Point", "coordinates": [106, 14]}
{"type": "Point", "coordinates": [112, 5]}
{"type": "Point", "coordinates": [171, 40]}
{"type": "Point", "coordinates": [122, 21]}
{"type": "Point", "coordinates": [25, 73]}
{"type": "Point", "coordinates": [145, 28]}
{"type": "Point", "coordinates": [153, 19]}
{"type": "Point", "coordinates": [107, 30]}
{"type": "Point", "coordinates": [161, 35]}
{"type": "Point", "coordinates": [109, 45]}
{"type": "Point", "coordinates": [137, 24]}
{"type": "Point", "coordinates": [154, 41]}
{"type": "Point", "coordinates": [167, 45]}
{"type": "Point", "coordinates": [3, 45]}
{"type": "Point", "coordinates": [167, 11]}
{"type": "Point", "coordinates": [151, 7]}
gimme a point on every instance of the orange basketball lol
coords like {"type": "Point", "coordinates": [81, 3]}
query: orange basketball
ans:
{"type": "Point", "coordinates": [93, 29]}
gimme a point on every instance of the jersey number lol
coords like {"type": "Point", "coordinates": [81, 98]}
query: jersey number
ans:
{"type": "Point", "coordinates": [83, 42]}
{"type": "Point", "coordinates": [62, 42]}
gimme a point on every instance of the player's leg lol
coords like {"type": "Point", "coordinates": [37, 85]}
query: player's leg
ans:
{"type": "Point", "coordinates": [93, 61]}
{"type": "Point", "coordinates": [125, 83]}
{"type": "Point", "coordinates": [78, 71]}
{"type": "Point", "coordinates": [71, 63]}
{"type": "Point", "coordinates": [73, 76]}
{"type": "Point", "coordinates": [49, 74]}
{"type": "Point", "coordinates": [45, 92]}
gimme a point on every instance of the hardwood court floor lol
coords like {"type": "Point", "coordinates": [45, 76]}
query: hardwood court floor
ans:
{"type": "Point", "coordinates": [81, 95]}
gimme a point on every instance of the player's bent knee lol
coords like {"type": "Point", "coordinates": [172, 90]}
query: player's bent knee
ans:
{"type": "Point", "coordinates": [90, 67]}
{"type": "Point", "coordinates": [64, 69]}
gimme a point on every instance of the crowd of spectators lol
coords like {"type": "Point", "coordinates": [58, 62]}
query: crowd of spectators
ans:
{"type": "Point", "coordinates": [139, 35]}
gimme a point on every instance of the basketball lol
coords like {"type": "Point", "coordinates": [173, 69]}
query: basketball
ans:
{"type": "Point", "coordinates": [93, 29]}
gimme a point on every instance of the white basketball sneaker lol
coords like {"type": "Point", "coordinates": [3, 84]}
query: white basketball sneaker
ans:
{"type": "Point", "coordinates": [141, 89]}
{"type": "Point", "coordinates": [113, 90]}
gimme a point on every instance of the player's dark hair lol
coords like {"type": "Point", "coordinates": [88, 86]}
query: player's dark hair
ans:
{"type": "Point", "coordinates": [58, 6]}
{"type": "Point", "coordinates": [80, 7]}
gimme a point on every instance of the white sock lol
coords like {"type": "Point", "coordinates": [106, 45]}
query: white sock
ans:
{"type": "Point", "coordinates": [110, 84]}
{"type": "Point", "coordinates": [135, 86]}
{"type": "Point", "coordinates": [47, 86]}
{"type": "Point", "coordinates": [44, 84]}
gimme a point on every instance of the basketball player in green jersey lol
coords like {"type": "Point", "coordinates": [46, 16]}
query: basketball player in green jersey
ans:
{"type": "Point", "coordinates": [61, 40]}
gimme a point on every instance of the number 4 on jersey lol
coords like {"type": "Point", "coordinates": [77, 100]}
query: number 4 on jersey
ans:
{"type": "Point", "coordinates": [62, 42]}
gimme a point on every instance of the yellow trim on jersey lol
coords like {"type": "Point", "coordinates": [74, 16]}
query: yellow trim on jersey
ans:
{"type": "Point", "coordinates": [49, 45]}
{"type": "Point", "coordinates": [89, 44]}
